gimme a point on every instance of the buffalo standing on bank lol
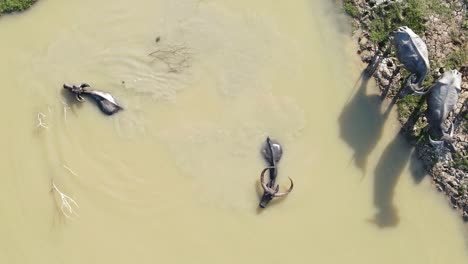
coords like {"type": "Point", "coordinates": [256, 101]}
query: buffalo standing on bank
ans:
{"type": "Point", "coordinates": [412, 52]}
{"type": "Point", "coordinates": [441, 99]}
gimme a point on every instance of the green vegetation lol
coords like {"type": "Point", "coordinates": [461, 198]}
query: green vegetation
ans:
{"type": "Point", "coordinates": [9, 6]}
{"type": "Point", "coordinates": [350, 9]}
{"type": "Point", "coordinates": [406, 106]}
{"type": "Point", "coordinates": [465, 121]}
{"type": "Point", "coordinates": [436, 6]}
{"type": "Point", "coordinates": [411, 13]}
{"type": "Point", "coordinates": [460, 162]}
{"type": "Point", "coordinates": [386, 21]}
{"type": "Point", "coordinates": [456, 59]}
{"type": "Point", "coordinates": [461, 190]}
{"type": "Point", "coordinates": [465, 24]}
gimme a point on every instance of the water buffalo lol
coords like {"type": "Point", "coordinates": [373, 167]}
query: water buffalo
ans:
{"type": "Point", "coordinates": [105, 101]}
{"type": "Point", "coordinates": [272, 152]}
{"type": "Point", "coordinates": [441, 99]}
{"type": "Point", "coordinates": [411, 51]}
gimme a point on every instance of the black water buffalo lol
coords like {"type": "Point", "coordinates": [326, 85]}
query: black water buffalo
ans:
{"type": "Point", "coordinates": [412, 52]}
{"type": "Point", "coordinates": [441, 99]}
{"type": "Point", "coordinates": [105, 101]}
{"type": "Point", "coordinates": [272, 152]}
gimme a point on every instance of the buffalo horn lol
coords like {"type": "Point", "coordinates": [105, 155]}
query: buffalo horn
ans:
{"type": "Point", "coordinates": [264, 184]}
{"type": "Point", "coordinates": [286, 192]}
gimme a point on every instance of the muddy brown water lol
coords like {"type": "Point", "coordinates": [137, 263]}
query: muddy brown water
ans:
{"type": "Point", "coordinates": [174, 177]}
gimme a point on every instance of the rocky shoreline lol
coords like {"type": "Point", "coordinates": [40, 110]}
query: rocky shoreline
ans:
{"type": "Point", "coordinates": [443, 25]}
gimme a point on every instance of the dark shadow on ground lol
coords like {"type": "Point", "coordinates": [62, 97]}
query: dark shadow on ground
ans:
{"type": "Point", "coordinates": [361, 121]}
{"type": "Point", "coordinates": [387, 172]}
{"type": "Point", "coordinates": [462, 113]}
{"type": "Point", "coordinates": [416, 167]}
{"type": "Point", "coordinates": [387, 87]}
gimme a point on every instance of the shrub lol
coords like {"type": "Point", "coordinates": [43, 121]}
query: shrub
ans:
{"type": "Point", "coordinates": [9, 6]}
{"type": "Point", "coordinates": [350, 9]}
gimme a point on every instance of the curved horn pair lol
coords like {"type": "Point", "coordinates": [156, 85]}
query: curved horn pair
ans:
{"type": "Point", "coordinates": [269, 190]}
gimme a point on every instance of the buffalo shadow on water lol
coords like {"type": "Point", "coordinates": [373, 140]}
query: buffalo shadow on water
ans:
{"type": "Point", "coordinates": [387, 173]}
{"type": "Point", "coordinates": [416, 167]}
{"type": "Point", "coordinates": [361, 120]}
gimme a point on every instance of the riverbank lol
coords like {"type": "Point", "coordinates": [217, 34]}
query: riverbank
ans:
{"type": "Point", "coordinates": [443, 25]}
{"type": "Point", "coordinates": [11, 6]}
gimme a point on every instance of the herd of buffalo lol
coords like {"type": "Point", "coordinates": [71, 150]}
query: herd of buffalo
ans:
{"type": "Point", "coordinates": [442, 95]}
{"type": "Point", "coordinates": [411, 52]}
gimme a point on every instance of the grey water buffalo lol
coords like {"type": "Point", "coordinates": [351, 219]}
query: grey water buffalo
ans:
{"type": "Point", "coordinates": [412, 52]}
{"type": "Point", "coordinates": [272, 152]}
{"type": "Point", "coordinates": [441, 99]}
{"type": "Point", "coordinates": [105, 101]}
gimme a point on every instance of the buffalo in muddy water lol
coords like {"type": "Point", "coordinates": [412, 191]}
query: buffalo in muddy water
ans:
{"type": "Point", "coordinates": [105, 101]}
{"type": "Point", "coordinates": [271, 152]}
{"type": "Point", "coordinates": [412, 52]}
{"type": "Point", "coordinates": [441, 99]}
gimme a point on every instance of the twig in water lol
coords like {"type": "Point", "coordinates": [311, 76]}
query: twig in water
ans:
{"type": "Point", "coordinates": [70, 170]}
{"type": "Point", "coordinates": [67, 203]}
{"type": "Point", "coordinates": [41, 123]}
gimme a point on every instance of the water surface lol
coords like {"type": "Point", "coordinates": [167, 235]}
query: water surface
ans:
{"type": "Point", "coordinates": [174, 177]}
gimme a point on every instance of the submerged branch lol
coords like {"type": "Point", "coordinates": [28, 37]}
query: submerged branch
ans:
{"type": "Point", "coordinates": [67, 203]}
{"type": "Point", "coordinates": [40, 119]}
{"type": "Point", "coordinates": [70, 170]}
